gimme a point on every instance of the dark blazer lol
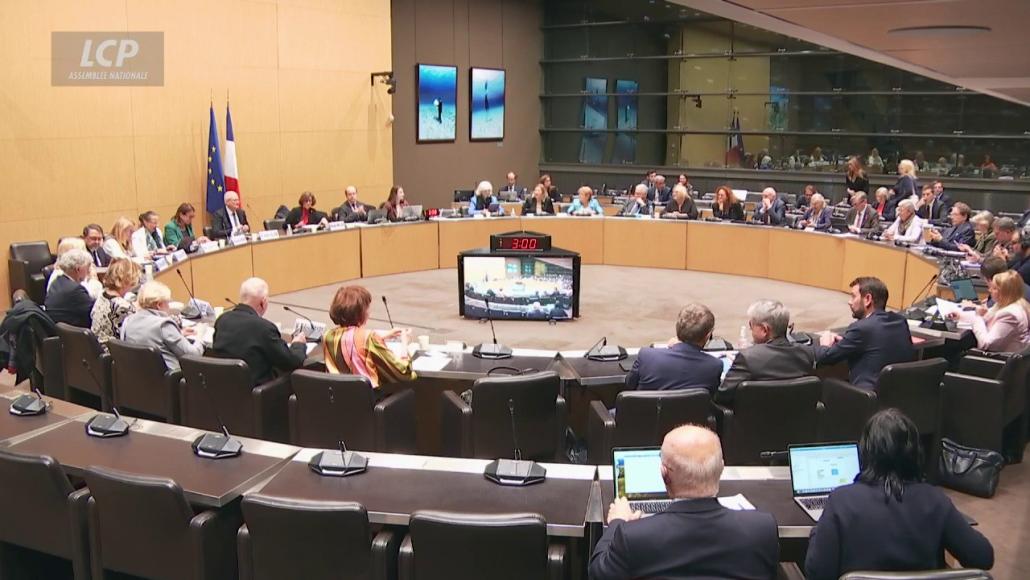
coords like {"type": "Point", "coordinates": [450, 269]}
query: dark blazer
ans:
{"type": "Point", "coordinates": [734, 212]}
{"type": "Point", "coordinates": [776, 215]}
{"type": "Point", "coordinates": [293, 218]}
{"type": "Point", "coordinates": [936, 210]}
{"type": "Point", "coordinates": [221, 225]}
{"type": "Point", "coordinates": [681, 366]}
{"type": "Point", "coordinates": [858, 184]}
{"type": "Point", "coordinates": [659, 195]}
{"type": "Point", "coordinates": [688, 207]}
{"type": "Point", "coordinates": [393, 212]}
{"type": "Point", "coordinates": [952, 236]}
{"type": "Point", "coordinates": [241, 333]}
{"type": "Point", "coordinates": [775, 360]}
{"type": "Point", "coordinates": [870, 220]}
{"type": "Point", "coordinates": [632, 208]}
{"type": "Point", "coordinates": [820, 222]}
{"type": "Point", "coordinates": [868, 345]}
{"type": "Point", "coordinates": [905, 186]}
{"type": "Point", "coordinates": [349, 215]}
{"type": "Point", "coordinates": [529, 206]}
{"type": "Point", "coordinates": [888, 210]}
{"type": "Point", "coordinates": [69, 302]}
{"type": "Point", "coordinates": [859, 530]}
{"type": "Point", "coordinates": [694, 538]}
{"type": "Point", "coordinates": [100, 257]}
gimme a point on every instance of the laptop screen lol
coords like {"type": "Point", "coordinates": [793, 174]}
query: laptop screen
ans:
{"type": "Point", "coordinates": [822, 468]}
{"type": "Point", "coordinates": [638, 473]}
{"type": "Point", "coordinates": [963, 289]}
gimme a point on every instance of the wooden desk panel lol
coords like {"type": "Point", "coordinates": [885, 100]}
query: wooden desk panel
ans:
{"type": "Point", "coordinates": [331, 257]}
{"type": "Point", "coordinates": [808, 258]}
{"type": "Point", "coordinates": [218, 275]}
{"type": "Point", "coordinates": [584, 235]}
{"type": "Point", "coordinates": [728, 248]}
{"type": "Point", "coordinates": [645, 243]}
{"type": "Point", "coordinates": [394, 249]}
{"type": "Point", "coordinates": [458, 235]}
{"type": "Point", "coordinates": [870, 259]}
{"type": "Point", "coordinates": [918, 272]}
{"type": "Point", "coordinates": [171, 279]}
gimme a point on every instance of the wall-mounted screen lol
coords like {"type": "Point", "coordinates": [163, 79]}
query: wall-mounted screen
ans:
{"type": "Point", "coordinates": [626, 105]}
{"type": "Point", "coordinates": [486, 104]}
{"type": "Point", "coordinates": [437, 103]}
{"type": "Point", "coordinates": [595, 116]}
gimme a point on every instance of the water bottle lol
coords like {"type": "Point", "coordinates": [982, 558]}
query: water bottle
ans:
{"type": "Point", "coordinates": [745, 337]}
{"type": "Point", "coordinates": [289, 230]}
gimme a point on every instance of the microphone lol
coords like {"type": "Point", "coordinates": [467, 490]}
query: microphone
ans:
{"type": "Point", "coordinates": [215, 445]}
{"type": "Point", "coordinates": [493, 351]}
{"type": "Point", "coordinates": [388, 317]}
{"type": "Point", "coordinates": [104, 424]}
{"type": "Point", "coordinates": [316, 334]}
{"type": "Point", "coordinates": [603, 353]}
{"type": "Point", "coordinates": [914, 312]}
{"type": "Point", "coordinates": [234, 304]}
{"type": "Point", "coordinates": [338, 463]}
{"type": "Point", "coordinates": [514, 472]}
{"type": "Point", "coordinates": [28, 405]}
{"type": "Point", "coordinates": [191, 311]}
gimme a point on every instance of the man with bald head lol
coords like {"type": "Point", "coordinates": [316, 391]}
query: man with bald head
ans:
{"type": "Point", "coordinates": [231, 219]}
{"type": "Point", "coordinates": [695, 536]}
{"type": "Point", "coordinates": [353, 210]}
{"type": "Point", "coordinates": [772, 211]}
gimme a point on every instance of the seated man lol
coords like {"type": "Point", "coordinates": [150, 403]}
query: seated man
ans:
{"type": "Point", "coordinates": [929, 207]}
{"type": "Point", "coordinates": [1006, 239]}
{"type": "Point", "coordinates": [243, 334]}
{"type": "Point", "coordinates": [683, 365]}
{"type": "Point", "coordinates": [67, 300]}
{"type": "Point", "coordinates": [353, 210]}
{"type": "Point", "coordinates": [772, 211]}
{"type": "Point", "coordinates": [637, 204]}
{"type": "Point", "coordinates": [960, 232]}
{"type": "Point", "coordinates": [696, 537]}
{"type": "Point", "coordinates": [861, 217]}
{"type": "Point", "coordinates": [995, 265]}
{"type": "Point", "coordinates": [230, 220]}
{"type": "Point", "coordinates": [93, 236]}
{"type": "Point", "coordinates": [908, 227]}
{"type": "Point", "coordinates": [876, 339]}
{"type": "Point", "coordinates": [659, 192]}
{"type": "Point", "coordinates": [772, 357]}
{"type": "Point", "coordinates": [511, 185]}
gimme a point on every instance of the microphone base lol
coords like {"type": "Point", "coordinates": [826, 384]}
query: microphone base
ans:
{"type": "Point", "coordinates": [105, 425]}
{"type": "Point", "coordinates": [514, 473]}
{"type": "Point", "coordinates": [27, 406]}
{"type": "Point", "coordinates": [190, 311]}
{"type": "Point", "coordinates": [940, 325]}
{"type": "Point", "coordinates": [338, 464]}
{"type": "Point", "coordinates": [491, 351]}
{"type": "Point", "coordinates": [217, 446]}
{"type": "Point", "coordinates": [608, 354]}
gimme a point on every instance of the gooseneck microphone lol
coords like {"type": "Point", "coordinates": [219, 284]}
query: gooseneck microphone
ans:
{"type": "Point", "coordinates": [191, 311]}
{"type": "Point", "coordinates": [514, 472]}
{"type": "Point", "coordinates": [234, 303]}
{"type": "Point", "coordinates": [601, 352]}
{"type": "Point", "coordinates": [103, 424]}
{"type": "Point", "coordinates": [215, 445]}
{"type": "Point", "coordinates": [388, 317]}
{"type": "Point", "coordinates": [315, 335]}
{"type": "Point", "coordinates": [339, 463]}
{"type": "Point", "coordinates": [28, 404]}
{"type": "Point", "coordinates": [493, 351]}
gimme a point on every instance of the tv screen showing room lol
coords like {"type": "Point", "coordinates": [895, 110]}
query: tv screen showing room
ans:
{"type": "Point", "coordinates": [519, 287]}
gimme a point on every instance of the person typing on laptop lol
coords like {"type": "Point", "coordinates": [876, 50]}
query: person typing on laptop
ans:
{"type": "Point", "coordinates": [695, 536]}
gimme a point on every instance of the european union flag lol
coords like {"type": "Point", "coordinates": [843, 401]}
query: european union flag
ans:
{"type": "Point", "coordinates": [215, 177]}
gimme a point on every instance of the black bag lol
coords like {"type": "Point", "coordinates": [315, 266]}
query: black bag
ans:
{"type": "Point", "coordinates": [969, 470]}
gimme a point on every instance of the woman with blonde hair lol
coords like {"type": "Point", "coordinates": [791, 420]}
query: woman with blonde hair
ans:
{"type": "Point", "coordinates": [1004, 327]}
{"type": "Point", "coordinates": [856, 179]}
{"type": "Point", "coordinates": [119, 242]}
{"type": "Point", "coordinates": [906, 185]}
{"type": "Point", "coordinates": [817, 216]}
{"type": "Point", "coordinates": [154, 325]}
{"type": "Point", "coordinates": [112, 308]}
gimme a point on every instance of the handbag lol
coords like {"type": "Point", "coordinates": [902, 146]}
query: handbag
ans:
{"type": "Point", "coordinates": [968, 469]}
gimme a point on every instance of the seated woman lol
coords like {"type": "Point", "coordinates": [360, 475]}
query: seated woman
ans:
{"type": "Point", "coordinates": [118, 243]}
{"type": "Point", "coordinates": [394, 204]}
{"type": "Point", "coordinates": [726, 205]}
{"type": "Point", "coordinates": [148, 242]}
{"type": "Point", "coordinates": [551, 191]}
{"type": "Point", "coordinates": [483, 199]}
{"type": "Point", "coordinates": [305, 213]}
{"type": "Point", "coordinates": [680, 205]}
{"type": "Point", "coordinates": [889, 519]}
{"type": "Point", "coordinates": [350, 348]}
{"type": "Point", "coordinates": [1004, 327]}
{"type": "Point", "coordinates": [817, 216]}
{"type": "Point", "coordinates": [585, 203]}
{"type": "Point", "coordinates": [908, 227]}
{"type": "Point", "coordinates": [67, 300]}
{"type": "Point", "coordinates": [538, 203]}
{"type": "Point", "coordinates": [883, 206]}
{"type": "Point", "coordinates": [153, 325]}
{"type": "Point", "coordinates": [983, 228]}
{"type": "Point", "coordinates": [181, 227]}
{"type": "Point", "coordinates": [111, 308]}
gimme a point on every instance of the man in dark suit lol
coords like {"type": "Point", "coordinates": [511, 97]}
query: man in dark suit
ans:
{"type": "Point", "coordinates": [772, 357]}
{"type": "Point", "coordinates": [942, 197]}
{"type": "Point", "coordinates": [772, 211]}
{"type": "Point", "coordinates": [695, 537]}
{"type": "Point", "coordinates": [861, 218]}
{"type": "Point", "coordinates": [230, 220]}
{"type": "Point", "coordinates": [67, 300]}
{"type": "Point", "coordinates": [511, 186]}
{"type": "Point", "coordinates": [637, 204]}
{"type": "Point", "coordinates": [659, 192]}
{"type": "Point", "coordinates": [93, 235]}
{"type": "Point", "coordinates": [243, 334]}
{"type": "Point", "coordinates": [683, 365]}
{"type": "Point", "coordinates": [960, 232]}
{"type": "Point", "coordinates": [930, 208]}
{"type": "Point", "coordinates": [876, 339]}
{"type": "Point", "coordinates": [353, 210]}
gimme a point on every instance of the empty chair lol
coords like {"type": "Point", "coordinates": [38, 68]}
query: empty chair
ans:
{"type": "Point", "coordinates": [43, 511]}
{"type": "Point", "coordinates": [325, 409]}
{"type": "Point", "coordinates": [141, 382]}
{"type": "Point", "coordinates": [274, 224]}
{"type": "Point", "coordinates": [286, 538]}
{"type": "Point", "coordinates": [453, 546]}
{"type": "Point", "coordinates": [525, 410]}
{"type": "Point", "coordinates": [947, 574]}
{"type": "Point", "coordinates": [223, 386]}
{"type": "Point", "coordinates": [144, 526]}
{"type": "Point", "coordinates": [25, 268]}
{"type": "Point", "coordinates": [87, 368]}
{"type": "Point", "coordinates": [642, 418]}
{"type": "Point", "coordinates": [769, 416]}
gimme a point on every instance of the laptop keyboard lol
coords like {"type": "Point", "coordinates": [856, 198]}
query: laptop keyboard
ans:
{"type": "Point", "coordinates": [813, 503]}
{"type": "Point", "coordinates": [650, 507]}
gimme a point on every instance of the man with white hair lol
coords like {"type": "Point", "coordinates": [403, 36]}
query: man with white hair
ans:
{"type": "Point", "coordinates": [659, 192]}
{"type": "Point", "coordinates": [695, 536]}
{"type": "Point", "coordinates": [353, 210]}
{"type": "Point", "coordinates": [861, 218]}
{"type": "Point", "coordinates": [483, 199]}
{"type": "Point", "coordinates": [242, 333]}
{"type": "Point", "coordinates": [908, 227]}
{"type": "Point", "coordinates": [637, 204]}
{"type": "Point", "coordinates": [230, 220]}
{"type": "Point", "coordinates": [772, 211]}
{"type": "Point", "coordinates": [772, 357]}
{"type": "Point", "coordinates": [67, 300]}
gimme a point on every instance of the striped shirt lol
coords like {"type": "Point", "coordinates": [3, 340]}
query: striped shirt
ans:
{"type": "Point", "coordinates": [355, 350]}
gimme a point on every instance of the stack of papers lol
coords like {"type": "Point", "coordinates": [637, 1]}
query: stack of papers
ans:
{"type": "Point", "coordinates": [736, 502]}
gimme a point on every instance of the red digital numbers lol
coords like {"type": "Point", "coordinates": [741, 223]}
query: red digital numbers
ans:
{"type": "Point", "coordinates": [524, 243]}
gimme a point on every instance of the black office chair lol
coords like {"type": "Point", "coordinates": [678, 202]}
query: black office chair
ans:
{"type": "Point", "coordinates": [642, 418]}
{"type": "Point", "coordinates": [453, 546]}
{"type": "Point", "coordinates": [144, 526]}
{"type": "Point", "coordinates": [275, 224]}
{"type": "Point", "coordinates": [25, 268]}
{"type": "Point", "coordinates": [463, 195]}
{"type": "Point", "coordinates": [276, 541]}
{"type": "Point", "coordinates": [326, 409]}
{"type": "Point", "coordinates": [86, 367]}
{"type": "Point", "coordinates": [769, 416]}
{"type": "Point", "coordinates": [42, 512]}
{"type": "Point", "coordinates": [209, 232]}
{"type": "Point", "coordinates": [141, 382]}
{"type": "Point", "coordinates": [948, 574]}
{"type": "Point", "coordinates": [484, 429]}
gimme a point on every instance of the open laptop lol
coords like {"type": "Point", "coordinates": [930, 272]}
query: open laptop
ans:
{"type": "Point", "coordinates": [411, 213]}
{"type": "Point", "coordinates": [819, 468]}
{"type": "Point", "coordinates": [963, 290]}
{"type": "Point", "coordinates": [637, 476]}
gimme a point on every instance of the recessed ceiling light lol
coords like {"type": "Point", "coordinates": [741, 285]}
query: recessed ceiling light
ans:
{"type": "Point", "coordinates": [939, 30]}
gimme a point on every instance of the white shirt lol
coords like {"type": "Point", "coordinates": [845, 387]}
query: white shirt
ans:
{"type": "Point", "coordinates": [914, 232]}
{"type": "Point", "coordinates": [139, 242]}
{"type": "Point", "coordinates": [114, 249]}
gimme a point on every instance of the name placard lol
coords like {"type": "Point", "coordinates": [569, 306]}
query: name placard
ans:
{"type": "Point", "coordinates": [268, 235]}
{"type": "Point", "coordinates": [179, 256]}
{"type": "Point", "coordinates": [208, 247]}
{"type": "Point", "coordinates": [337, 226]}
{"type": "Point", "coordinates": [238, 240]}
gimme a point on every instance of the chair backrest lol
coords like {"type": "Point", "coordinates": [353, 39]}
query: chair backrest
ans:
{"type": "Point", "coordinates": [138, 379]}
{"type": "Point", "coordinates": [282, 545]}
{"type": "Point", "coordinates": [769, 415]}
{"type": "Point", "coordinates": [947, 574]}
{"type": "Point", "coordinates": [37, 254]}
{"type": "Point", "coordinates": [326, 409]}
{"type": "Point", "coordinates": [80, 353]}
{"type": "Point", "coordinates": [140, 523]}
{"type": "Point", "coordinates": [465, 546]}
{"type": "Point", "coordinates": [532, 399]}
{"type": "Point", "coordinates": [274, 224]}
{"type": "Point", "coordinates": [914, 388]}
{"type": "Point", "coordinates": [642, 418]}
{"type": "Point", "coordinates": [1014, 377]}
{"type": "Point", "coordinates": [217, 384]}
{"type": "Point", "coordinates": [34, 494]}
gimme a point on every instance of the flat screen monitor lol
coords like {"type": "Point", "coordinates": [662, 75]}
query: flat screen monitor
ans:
{"type": "Point", "coordinates": [521, 287]}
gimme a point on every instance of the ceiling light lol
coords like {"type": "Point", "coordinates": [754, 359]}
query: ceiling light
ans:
{"type": "Point", "coordinates": [950, 30]}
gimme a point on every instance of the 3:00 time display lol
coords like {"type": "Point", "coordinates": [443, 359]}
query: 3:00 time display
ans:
{"type": "Point", "coordinates": [520, 242]}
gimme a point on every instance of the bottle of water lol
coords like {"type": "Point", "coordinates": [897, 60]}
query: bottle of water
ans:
{"type": "Point", "coordinates": [289, 230]}
{"type": "Point", "coordinates": [745, 337]}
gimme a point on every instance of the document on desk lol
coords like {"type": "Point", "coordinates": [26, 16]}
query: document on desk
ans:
{"type": "Point", "coordinates": [736, 502]}
{"type": "Point", "coordinates": [434, 362]}
{"type": "Point", "coordinates": [947, 307]}
{"type": "Point", "coordinates": [310, 346]}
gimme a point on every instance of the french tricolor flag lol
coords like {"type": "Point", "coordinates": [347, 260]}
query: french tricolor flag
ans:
{"type": "Point", "coordinates": [232, 175]}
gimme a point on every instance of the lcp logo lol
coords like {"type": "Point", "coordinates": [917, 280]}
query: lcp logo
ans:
{"type": "Point", "coordinates": [107, 58]}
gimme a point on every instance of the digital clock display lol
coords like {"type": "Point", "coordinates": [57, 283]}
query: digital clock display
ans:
{"type": "Point", "coordinates": [520, 242]}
